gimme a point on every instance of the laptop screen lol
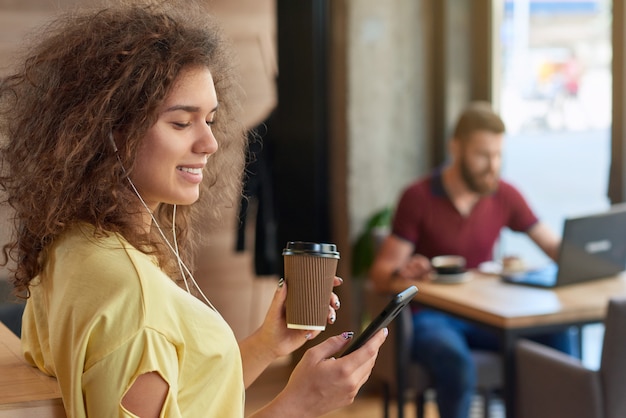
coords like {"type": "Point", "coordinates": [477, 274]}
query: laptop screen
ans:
{"type": "Point", "coordinates": [593, 246]}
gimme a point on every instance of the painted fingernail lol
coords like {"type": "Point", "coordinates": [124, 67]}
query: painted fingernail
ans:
{"type": "Point", "coordinates": [332, 319]}
{"type": "Point", "coordinates": [386, 331]}
{"type": "Point", "coordinates": [340, 279]}
{"type": "Point", "coordinates": [281, 282]}
{"type": "Point", "coordinates": [337, 304]}
{"type": "Point", "coordinates": [347, 335]}
{"type": "Point", "coordinates": [308, 336]}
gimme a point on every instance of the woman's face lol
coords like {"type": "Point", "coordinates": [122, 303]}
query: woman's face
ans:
{"type": "Point", "coordinates": [170, 160]}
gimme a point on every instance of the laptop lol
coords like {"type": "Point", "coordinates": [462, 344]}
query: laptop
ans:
{"type": "Point", "coordinates": [593, 247]}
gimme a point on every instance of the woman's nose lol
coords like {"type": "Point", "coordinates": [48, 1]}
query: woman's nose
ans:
{"type": "Point", "coordinates": [207, 143]}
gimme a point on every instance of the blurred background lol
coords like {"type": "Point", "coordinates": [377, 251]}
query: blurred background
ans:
{"type": "Point", "coordinates": [355, 99]}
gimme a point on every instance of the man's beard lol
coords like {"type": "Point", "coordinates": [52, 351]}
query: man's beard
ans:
{"type": "Point", "coordinates": [474, 180]}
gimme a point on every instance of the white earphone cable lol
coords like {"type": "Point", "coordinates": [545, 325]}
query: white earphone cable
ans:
{"type": "Point", "coordinates": [176, 251]}
{"type": "Point", "coordinates": [174, 248]}
{"type": "Point", "coordinates": [181, 265]}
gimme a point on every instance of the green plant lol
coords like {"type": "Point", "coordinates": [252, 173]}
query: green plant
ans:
{"type": "Point", "coordinates": [364, 249]}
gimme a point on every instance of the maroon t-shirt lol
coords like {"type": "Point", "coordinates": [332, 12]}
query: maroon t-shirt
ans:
{"type": "Point", "coordinates": [426, 217]}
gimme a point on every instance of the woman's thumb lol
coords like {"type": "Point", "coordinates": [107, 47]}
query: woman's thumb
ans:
{"type": "Point", "coordinates": [333, 346]}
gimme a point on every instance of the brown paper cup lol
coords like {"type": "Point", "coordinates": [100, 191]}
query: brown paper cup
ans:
{"type": "Point", "coordinates": [309, 272]}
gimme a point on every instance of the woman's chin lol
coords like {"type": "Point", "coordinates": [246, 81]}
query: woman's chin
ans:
{"type": "Point", "coordinates": [184, 200]}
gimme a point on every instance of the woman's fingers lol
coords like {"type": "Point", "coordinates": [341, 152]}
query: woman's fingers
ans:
{"type": "Point", "coordinates": [332, 315]}
{"type": "Point", "coordinates": [338, 281]}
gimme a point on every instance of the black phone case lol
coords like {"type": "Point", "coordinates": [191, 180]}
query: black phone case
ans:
{"type": "Point", "coordinates": [383, 319]}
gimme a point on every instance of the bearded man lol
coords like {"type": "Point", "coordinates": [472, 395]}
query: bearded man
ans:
{"type": "Point", "coordinates": [459, 209]}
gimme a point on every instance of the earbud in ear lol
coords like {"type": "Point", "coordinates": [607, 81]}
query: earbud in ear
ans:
{"type": "Point", "coordinates": [112, 142]}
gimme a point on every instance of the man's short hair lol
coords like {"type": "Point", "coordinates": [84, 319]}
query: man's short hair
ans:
{"type": "Point", "coordinates": [478, 116]}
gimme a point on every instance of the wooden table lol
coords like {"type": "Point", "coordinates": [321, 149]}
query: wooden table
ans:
{"type": "Point", "coordinates": [515, 311]}
{"type": "Point", "coordinates": [25, 392]}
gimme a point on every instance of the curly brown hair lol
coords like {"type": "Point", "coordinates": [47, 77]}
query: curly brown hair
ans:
{"type": "Point", "coordinates": [93, 74]}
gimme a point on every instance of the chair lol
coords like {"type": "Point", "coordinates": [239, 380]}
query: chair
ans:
{"type": "Point", "coordinates": [552, 384]}
{"type": "Point", "coordinates": [399, 374]}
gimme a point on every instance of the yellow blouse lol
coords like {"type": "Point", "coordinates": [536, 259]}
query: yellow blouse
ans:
{"type": "Point", "coordinates": [102, 313]}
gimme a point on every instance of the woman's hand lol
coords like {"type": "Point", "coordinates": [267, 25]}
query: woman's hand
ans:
{"type": "Point", "coordinates": [273, 339]}
{"type": "Point", "coordinates": [284, 340]}
{"type": "Point", "coordinates": [320, 383]}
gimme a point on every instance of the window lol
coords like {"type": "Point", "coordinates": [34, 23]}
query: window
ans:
{"type": "Point", "coordinates": [554, 94]}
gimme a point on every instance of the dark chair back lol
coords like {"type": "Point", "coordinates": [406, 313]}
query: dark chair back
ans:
{"type": "Point", "coordinates": [613, 362]}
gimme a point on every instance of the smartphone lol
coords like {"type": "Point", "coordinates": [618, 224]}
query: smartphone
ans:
{"type": "Point", "coordinates": [383, 319]}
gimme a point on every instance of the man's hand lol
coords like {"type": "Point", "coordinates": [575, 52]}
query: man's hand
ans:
{"type": "Point", "coordinates": [418, 268]}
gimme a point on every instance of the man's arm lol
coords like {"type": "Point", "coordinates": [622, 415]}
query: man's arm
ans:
{"type": "Point", "coordinates": [395, 267]}
{"type": "Point", "coordinates": [545, 239]}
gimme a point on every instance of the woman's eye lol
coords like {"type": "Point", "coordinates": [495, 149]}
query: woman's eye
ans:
{"type": "Point", "coordinates": [210, 122]}
{"type": "Point", "coordinates": [182, 124]}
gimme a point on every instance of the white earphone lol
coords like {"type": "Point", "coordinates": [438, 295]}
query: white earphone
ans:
{"type": "Point", "coordinates": [184, 271]}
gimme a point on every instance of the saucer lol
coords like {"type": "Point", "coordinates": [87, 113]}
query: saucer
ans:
{"type": "Point", "coordinates": [452, 278]}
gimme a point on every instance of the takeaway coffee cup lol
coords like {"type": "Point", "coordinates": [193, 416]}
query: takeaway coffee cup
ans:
{"type": "Point", "coordinates": [310, 269]}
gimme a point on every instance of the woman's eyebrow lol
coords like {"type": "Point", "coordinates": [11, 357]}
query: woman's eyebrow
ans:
{"type": "Point", "coordinates": [187, 108]}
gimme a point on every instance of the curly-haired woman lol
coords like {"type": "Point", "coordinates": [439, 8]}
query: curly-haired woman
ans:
{"type": "Point", "coordinates": [113, 122]}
